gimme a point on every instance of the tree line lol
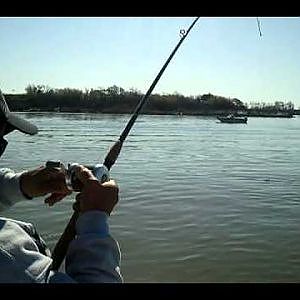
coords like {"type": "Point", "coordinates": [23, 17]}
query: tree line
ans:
{"type": "Point", "coordinates": [115, 99]}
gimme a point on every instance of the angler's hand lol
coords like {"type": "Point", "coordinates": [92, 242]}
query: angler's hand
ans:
{"type": "Point", "coordinates": [42, 181]}
{"type": "Point", "coordinates": [95, 195]}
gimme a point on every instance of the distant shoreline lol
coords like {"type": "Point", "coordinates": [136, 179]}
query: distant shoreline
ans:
{"type": "Point", "coordinates": [115, 100]}
{"type": "Point", "coordinates": [211, 113]}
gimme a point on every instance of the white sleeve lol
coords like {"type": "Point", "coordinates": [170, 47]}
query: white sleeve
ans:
{"type": "Point", "coordinates": [10, 191]}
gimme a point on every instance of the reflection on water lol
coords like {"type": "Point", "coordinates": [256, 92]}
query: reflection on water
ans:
{"type": "Point", "coordinates": [200, 201]}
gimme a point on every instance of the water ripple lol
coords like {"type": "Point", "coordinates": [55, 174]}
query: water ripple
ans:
{"type": "Point", "coordinates": [199, 201]}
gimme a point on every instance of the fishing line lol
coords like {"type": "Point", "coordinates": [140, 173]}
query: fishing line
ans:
{"type": "Point", "coordinates": [258, 25]}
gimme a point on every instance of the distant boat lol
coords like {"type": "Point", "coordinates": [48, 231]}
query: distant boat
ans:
{"type": "Point", "coordinates": [233, 119]}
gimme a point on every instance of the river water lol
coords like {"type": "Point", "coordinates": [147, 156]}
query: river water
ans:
{"type": "Point", "coordinates": [200, 201]}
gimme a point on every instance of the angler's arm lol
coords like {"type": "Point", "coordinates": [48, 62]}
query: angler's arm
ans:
{"type": "Point", "coordinates": [29, 184]}
{"type": "Point", "coordinates": [10, 191]}
{"type": "Point", "coordinates": [93, 256]}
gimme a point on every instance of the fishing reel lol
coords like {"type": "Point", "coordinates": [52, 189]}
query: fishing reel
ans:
{"type": "Point", "coordinates": [73, 184]}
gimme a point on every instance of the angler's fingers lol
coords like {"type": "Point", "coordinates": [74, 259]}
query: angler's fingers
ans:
{"type": "Point", "coordinates": [97, 186]}
{"type": "Point", "coordinates": [84, 174]}
{"type": "Point", "coordinates": [110, 183]}
{"type": "Point", "coordinates": [55, 197]}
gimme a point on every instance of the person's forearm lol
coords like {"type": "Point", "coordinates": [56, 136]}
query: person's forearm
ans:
{"type": "Point", "coordinates": [93, 256]}
{"type": "Point", "coordinates": [10, 191]}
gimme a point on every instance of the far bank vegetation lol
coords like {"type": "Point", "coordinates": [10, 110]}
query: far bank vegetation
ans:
{"type": "Point", "coordinates": [115, 99]}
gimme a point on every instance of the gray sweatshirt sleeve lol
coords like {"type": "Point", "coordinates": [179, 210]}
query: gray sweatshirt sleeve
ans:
{"type": "Point", "coordinates": [93, 256]}
{"type": "Point", "coordinates": [10, 191]}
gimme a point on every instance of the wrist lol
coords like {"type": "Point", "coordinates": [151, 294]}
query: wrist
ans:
{"type": "Point", "coordinates": [24, 186]}
{"type": "Point", "coordinates": [93, 222]}
{"type": "Point", "coordinates": [88, 209]}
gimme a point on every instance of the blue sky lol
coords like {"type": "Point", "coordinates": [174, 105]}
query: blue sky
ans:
{"type": "Point", "coordinates": [222, 56]}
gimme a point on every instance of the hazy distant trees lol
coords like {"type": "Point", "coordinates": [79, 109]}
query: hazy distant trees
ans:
{"type": "Point", "coordinates": [221, 103]}
{"type": "Point", "coordinates": [38, 89]}
{"type": "Point", "coordinates": [115, 99]}
{"type": "Point", "coordinates": [269, 108]}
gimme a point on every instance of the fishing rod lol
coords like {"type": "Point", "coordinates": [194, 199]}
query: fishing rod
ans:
{"type": "Point", "coordinates": [101, 171]}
